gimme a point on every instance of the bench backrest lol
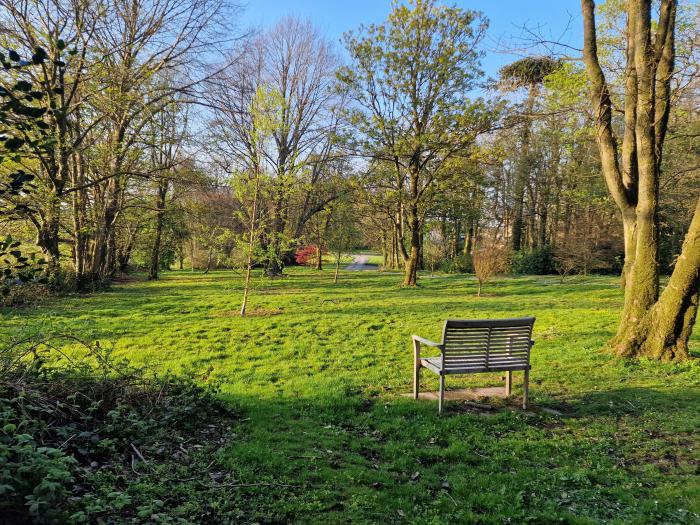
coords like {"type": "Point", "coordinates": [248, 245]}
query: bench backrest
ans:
{"type": "Point", "coordinates": [486, 343]}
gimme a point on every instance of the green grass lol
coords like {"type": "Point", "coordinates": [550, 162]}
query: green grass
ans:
{"type": "Point", "coordinates": [318, 372]}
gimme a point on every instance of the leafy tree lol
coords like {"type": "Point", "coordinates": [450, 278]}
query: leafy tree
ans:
{"type": "Point", "coordinates": [410, 79]}
{"type": "Point", "coordinates": [529, 73]}
{"type": "Point", "coordinates": [251, 187]}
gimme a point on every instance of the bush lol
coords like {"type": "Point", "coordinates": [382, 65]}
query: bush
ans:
{"type": "Point", "coordinates": [488, 260]}
{"type": "Point", "coordinates": [305, 255]}
{"type": "Point", "coordinates": [459, 264]}
{"type": "Point", "coordinates": [539, 261]}
{"type": "Point", "coordinates": [24, 294]}
{"type": "Point", "coordinates": [76, 428]}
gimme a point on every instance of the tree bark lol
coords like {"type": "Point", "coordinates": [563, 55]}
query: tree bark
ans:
{"type": "Point", "coordinates": [664, 331]}
{"type": "Point", "coordinates": [652, 326]}
{"type": "Point", "coordinates": [337, 267]}
{"type": "Point", "coordinates": [161, 195]}
{"type": "Point", "coordinates": [411, 261]}
{"type": "Point", "coordinates": [523, 172]}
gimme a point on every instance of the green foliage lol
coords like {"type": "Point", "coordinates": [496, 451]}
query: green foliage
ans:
{"type": "Point", "coordinates": [84, 437]}
{"type": "Point", "coordinates": [460, 264]}
{"type": "Point", "coordinates": [23, 131]}
{"type": "Point", "coordinates": [318, 375]}
{"type": "Point", "coordinates": [421, 61]}
{"type": "Point", "coordinates": [17, 268]}
{"type": "Point", "coordinates": [539, 261]}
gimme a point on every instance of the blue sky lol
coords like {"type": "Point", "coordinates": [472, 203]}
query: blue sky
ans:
{"type": "Point", "coordinates": [505, 36]}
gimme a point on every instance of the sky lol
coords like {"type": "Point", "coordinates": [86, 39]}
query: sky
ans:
{"type": "Point", "coordinates": [557, 20]}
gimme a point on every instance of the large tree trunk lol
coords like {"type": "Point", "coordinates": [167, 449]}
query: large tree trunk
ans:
{"type": "Point", "coordinates": [663, 332]}
{"type": "Point", "coordinates": [48, 236]}
{"type": "Point", "coordinates": [653, 326]}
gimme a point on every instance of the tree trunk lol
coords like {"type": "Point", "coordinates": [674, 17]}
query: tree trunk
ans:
{"type": "Point", "coordinates": [209, 257]}
{"type": "Point", "coordinates": [160, 212]}
{"type": "Point", "coordinates": [653, 326]}
{"type": "Point", "coordinates": [48, 237]}
{"type": "Point", "coordinates": [663, 332]}
{"type": "Point", "coordinates": [192, 253]}
{"type": "Point", "coordinates": [337, 267]}
{"type": "Point", "coordinates": [411, 262]}
{"type": "Point", "coordinates": [470, 239]}
{"type": "Point", "coordinates": [455, 240]}
{"type": "Point", "coordinates": [319, 258]}
{"type": "Point", "coordinates": [251, 243]}
{"type": "Point", "coordinates": [523, 172]}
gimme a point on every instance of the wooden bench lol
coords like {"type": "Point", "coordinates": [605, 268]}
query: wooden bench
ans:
{"type": "Point", "coordinates": [473, 346]}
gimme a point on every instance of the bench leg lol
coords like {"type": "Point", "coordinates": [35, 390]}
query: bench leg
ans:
{"type": "Point", "coordinates": [526, 385]}
{"type": "Point", "coordinates": [441, 399]}
{"type": "Point", "coordinates": [416, 379]}
{"type": "Point", "coordinates": [416, 368]}
{"type": "Point", "coordinates": [509, 382]}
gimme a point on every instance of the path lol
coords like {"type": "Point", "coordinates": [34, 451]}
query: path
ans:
{"type": "Point", "coordinates": [359, 262]}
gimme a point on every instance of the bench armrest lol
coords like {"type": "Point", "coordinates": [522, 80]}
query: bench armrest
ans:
{"type": "Point", "coordinates": [426, 342]}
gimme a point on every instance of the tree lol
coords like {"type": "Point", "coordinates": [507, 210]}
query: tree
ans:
{"type": "Point", "coordinates": [529, 73]}
{"type": "Point", "coordinates": [434, 250]}
{"type": "Point", "coordinates": [653, 325]}
{"type": "Point", "coordinates": [266, 108]}
{"type": "Point", "coordinates": [342, 231]}
{"type": "Point", "coordinates": [410, 79]}
{"type": "Point", "coordinates": [166, 140]}
{"type": "Point", "coordinates": [488, 259]}
{"type": "Point", "coordinates": [296, 62]}
{"type": "Point", "coordinates": [103, 82]}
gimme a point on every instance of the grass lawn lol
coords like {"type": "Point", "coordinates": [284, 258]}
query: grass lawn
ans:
{"type": "Point", "coordinates": [318, 370]}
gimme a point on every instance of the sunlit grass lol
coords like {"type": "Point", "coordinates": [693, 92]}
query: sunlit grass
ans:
{"type": "Point", "coordinates": [318, 370]}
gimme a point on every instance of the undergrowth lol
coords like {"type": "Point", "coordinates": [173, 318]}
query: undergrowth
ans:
{"type": "Point", "coordinates": [87, 438]}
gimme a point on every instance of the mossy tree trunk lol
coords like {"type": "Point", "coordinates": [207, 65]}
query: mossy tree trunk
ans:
{"type": "Point", "coordinates": [663, 331]}
{"type": "Point", "coordinates": [652, 326]}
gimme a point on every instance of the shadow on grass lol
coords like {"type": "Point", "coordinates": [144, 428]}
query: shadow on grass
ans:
{"type": "Point", "coordinates": [638, 402]}
{"type": "Point", "coordinates": [350, 458]}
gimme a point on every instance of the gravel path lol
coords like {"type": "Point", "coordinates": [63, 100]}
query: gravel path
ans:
{"type": "Point", "coordinates": [359, 263]}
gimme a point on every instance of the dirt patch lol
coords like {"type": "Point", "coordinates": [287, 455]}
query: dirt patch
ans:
{"type": "Point", "coordinates": [124, 278]}
{"type": "Point", "coordinates": [280, 291]}
{"type": "Point", "coordinates": [253, 312]}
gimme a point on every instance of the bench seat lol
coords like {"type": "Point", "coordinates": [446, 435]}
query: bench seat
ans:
{"type": "Point", "coordinates": [434, 364]}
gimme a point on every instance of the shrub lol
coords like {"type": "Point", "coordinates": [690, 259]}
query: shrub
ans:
{"type": "Point", "coordinates": [488, 260]}
{"type": "Point", "coordinates": [459, 264]}
{"type": "Point", "coordinates": [76, 427]}
{"type": "Point", "coordinates": [305, 255]}
{"type": "Point", "coordinates": [24, 294]}
{"type": "Point", "coordinates": [539, 261]}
